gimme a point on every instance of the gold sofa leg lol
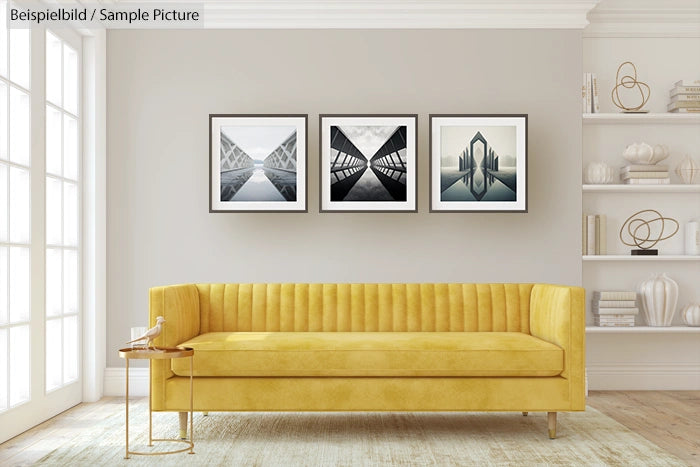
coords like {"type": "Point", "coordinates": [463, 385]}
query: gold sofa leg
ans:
{"type": "Point", "coordinates": [552, 424]}
{"type": "Point", "coordinates": [183, 425]}
{"type": "Point", "coordinates": [206, 414]}
{"type": "Point", "coordinates": [525, 414]}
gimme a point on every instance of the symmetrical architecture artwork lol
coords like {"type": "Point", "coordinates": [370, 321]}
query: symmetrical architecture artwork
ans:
{"type": "Point", "coordinates": [246, 179]}
{"type": "Point", "coordinates": [481, 174]}
{"type": "Point", "coordinates": [359, 175]}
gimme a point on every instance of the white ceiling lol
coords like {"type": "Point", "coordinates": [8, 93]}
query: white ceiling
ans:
{"type": "Point", "coordinates": [607, 17]}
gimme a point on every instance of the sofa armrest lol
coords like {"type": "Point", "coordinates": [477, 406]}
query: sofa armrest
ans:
{"type": "Point", "coordinates": [557, 315]}
{"type": "Point", "coordinates": [179, 305]}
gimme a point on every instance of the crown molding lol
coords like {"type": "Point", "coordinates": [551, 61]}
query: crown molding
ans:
{"type": "Point", "coordinates": [390, 14]}
{"type": "Point", "coordinates": [644, 18]}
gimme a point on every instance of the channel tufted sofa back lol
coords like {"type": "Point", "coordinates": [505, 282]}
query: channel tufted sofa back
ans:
{"type": "Point", "coordinates": [364, 307]}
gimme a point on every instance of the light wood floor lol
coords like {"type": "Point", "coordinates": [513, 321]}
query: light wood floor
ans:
{"type": "Point", "coordinates": [669, 419]}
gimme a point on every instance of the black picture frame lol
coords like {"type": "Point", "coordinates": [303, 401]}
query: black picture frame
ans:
{"type": "Point", "coordinates": [391, 184]}
{"type": "Point", "coordinates": [501, 178]}
{"type": "Point", "coordinates": [273, 189]}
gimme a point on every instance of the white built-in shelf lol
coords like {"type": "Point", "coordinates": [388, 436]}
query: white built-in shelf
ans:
{"type": "Point", "coordinates": [622, 118]}
{"type": "Point", "coordinates": [643, 188]}
{"type": "Point", "coordinates": [641, 258]}
{"type": "Point", "coordinates": [642, 330]}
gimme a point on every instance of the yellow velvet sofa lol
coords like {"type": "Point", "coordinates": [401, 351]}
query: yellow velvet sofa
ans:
{"type": "Point", "coordinates": [371, 347]}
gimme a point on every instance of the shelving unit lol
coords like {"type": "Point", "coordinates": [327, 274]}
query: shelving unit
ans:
{"type": "Point", "coordinates": [634, 119]}
{"type": "Point", "coordinates": [640, 258]}
{"type": "Point", "coordinates": [604, 138]}
{"type": "Point", "coordinates": [617, 188]}
{"type": "Point", "coordinates": [653, 37]}
{"type": "Point", "coordinates": [643, 330]}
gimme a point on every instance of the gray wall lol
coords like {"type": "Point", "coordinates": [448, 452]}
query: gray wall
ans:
{"type": "Point", "coordinates": [163, 84]}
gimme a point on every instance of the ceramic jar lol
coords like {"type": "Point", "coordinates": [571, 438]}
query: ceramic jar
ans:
{"type": "Point", "coordinates": [659, 295]}
{"type": "Point", "coordinates": [598, 173]}
{"type": "Point", "coordinates": [688, 170]}
{"type": "Point", "coordinates": [643, 153]}
{"type": "Point", "coordinates": [691, 314]}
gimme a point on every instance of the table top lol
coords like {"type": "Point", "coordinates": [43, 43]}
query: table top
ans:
{"type": "Point", "coordinates": [157, 353]}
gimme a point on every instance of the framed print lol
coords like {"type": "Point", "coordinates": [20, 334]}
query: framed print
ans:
{"type": "Point", "coordinates": [368, 163]}
{"type": "Point", "coordinates": [478, 163]}
{"type": "Point", "coordinates": [257, 163]}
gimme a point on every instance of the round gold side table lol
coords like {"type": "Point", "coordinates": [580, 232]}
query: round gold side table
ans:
{"type": "Point", "coordinates": [157, 353]}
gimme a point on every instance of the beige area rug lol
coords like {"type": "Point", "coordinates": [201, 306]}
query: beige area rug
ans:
{"type": "Point", "coordinates": [347, 439]}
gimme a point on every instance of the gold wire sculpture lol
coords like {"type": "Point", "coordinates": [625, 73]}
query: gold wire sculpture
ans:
{"type": "Point", "coordinates": [644, 239]}
{"type": "Point", "coordinates": [629, 81]}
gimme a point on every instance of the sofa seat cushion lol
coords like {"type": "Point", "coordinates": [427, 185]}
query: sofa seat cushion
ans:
{"type": "Point", "coordinates": [370, 354]}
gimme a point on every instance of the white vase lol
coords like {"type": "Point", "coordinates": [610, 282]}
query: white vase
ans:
{"type": "Point", "coordinates": [687, 170]}
{"type": "Point", "coordinates": [691, 314]}
{"type": "Point", "coordinates": [599, 173]}
{"type": "Point", "coordinates": [659, 296]}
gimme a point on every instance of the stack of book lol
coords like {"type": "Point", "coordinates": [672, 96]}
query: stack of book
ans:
{"type": "Point", "coordinates": [589, 94]}
{"type": "Point", "coordinates": [614, 308]}
{"type": "Point", "coordinates": [645, 175]}
{"type": "Point", "coordinates": [685, 96]}
{"type": "Point", "coordinates": [595, 234]}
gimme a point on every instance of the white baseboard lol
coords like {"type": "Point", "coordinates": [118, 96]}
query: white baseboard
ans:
{"type": "Point", "coordinates": [630, 376]}
{"type": "Point", "coordinates": [601, 376]}
{"type": "Point", "coordinates": [115, 382]}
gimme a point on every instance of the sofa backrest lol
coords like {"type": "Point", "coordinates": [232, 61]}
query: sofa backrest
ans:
{"type": "Point", "coordinates": [364, 307]}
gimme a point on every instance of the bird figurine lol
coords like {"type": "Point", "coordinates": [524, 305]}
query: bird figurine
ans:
{"type": "Point", "coordinates": [152, 333]}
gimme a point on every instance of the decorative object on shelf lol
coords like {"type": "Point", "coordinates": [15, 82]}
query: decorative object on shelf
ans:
{"type": "Point", "coordinates": [595, 234]}
{"type": "Point", "coordinates": [589, 94]}
{"type": "Point", "coordinates": [645, 154]}
{"type": "Point", "coordinates": [645, 229]}
{"type": "Point", "coordinates": [685, 97]}
{"type": "Point", "coordinates": [629, 81]}
{"type": "Point", "coordinates": [257, 163]}
{"type": "Point", "coordinates": [614, 308]}
{"type": "Point", "coordinates": [478, 163]}
{"type": "Point", "coordinates": [691, 314]}
{"type": "Point", "coordinates": [687, 170]}
{"type": "Point", "coordinates": [599, 173]}
{"type": "Point", "coordinates": [659, 295]}
{"type": "Point", "coordinates": [692, 238]}
{"type": "Point", "coordinates": [368, 163]}
{"type": "Point", "coordinates": [150, 335]}
{"type": "Point", "coordinates": [640, 174]}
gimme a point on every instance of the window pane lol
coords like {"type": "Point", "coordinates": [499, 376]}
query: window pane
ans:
{"type": "Point", "coordinates": [53, 69]}
{"type": "Point", "coordinates": [3, 119]}
{"type": "Point", "coordinates": [3, 203]}
{"type": "Point", "coordinates": [3, 369]}
{"type": "Point", "coordinates": [3, 287]}
{"type": "Point", "coordinates": [53, 141]}
{"type": "Point", "coordinates": [19, 284]}
{"type": "Point", "coordinates": [70, 147]}
{"type": "Point", "coordinates": [54, 203]}
{"type": "Point", "coordinates": [19, 205]}
{"type": "Point", "coordinates": [70, 349]}
{"type": "Point", "coordinates": [3, 38]}
{"type": "Point", "coordinates": [19, 126]}
{"type": "Point", "coordinates": [54, 279]}
{"type": "Point", "coordinates": [70, 80]}
{"type": "Point", "coordinates": [53, 354]}
{"type": "Point", "coordinates": [19, 364]}
{"type": "Point", "coordinates": [70, 281]}
{"type": "Point", "coordinates": [70, 214]}
{"type": "Point", "coordinates": [19, 57]}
